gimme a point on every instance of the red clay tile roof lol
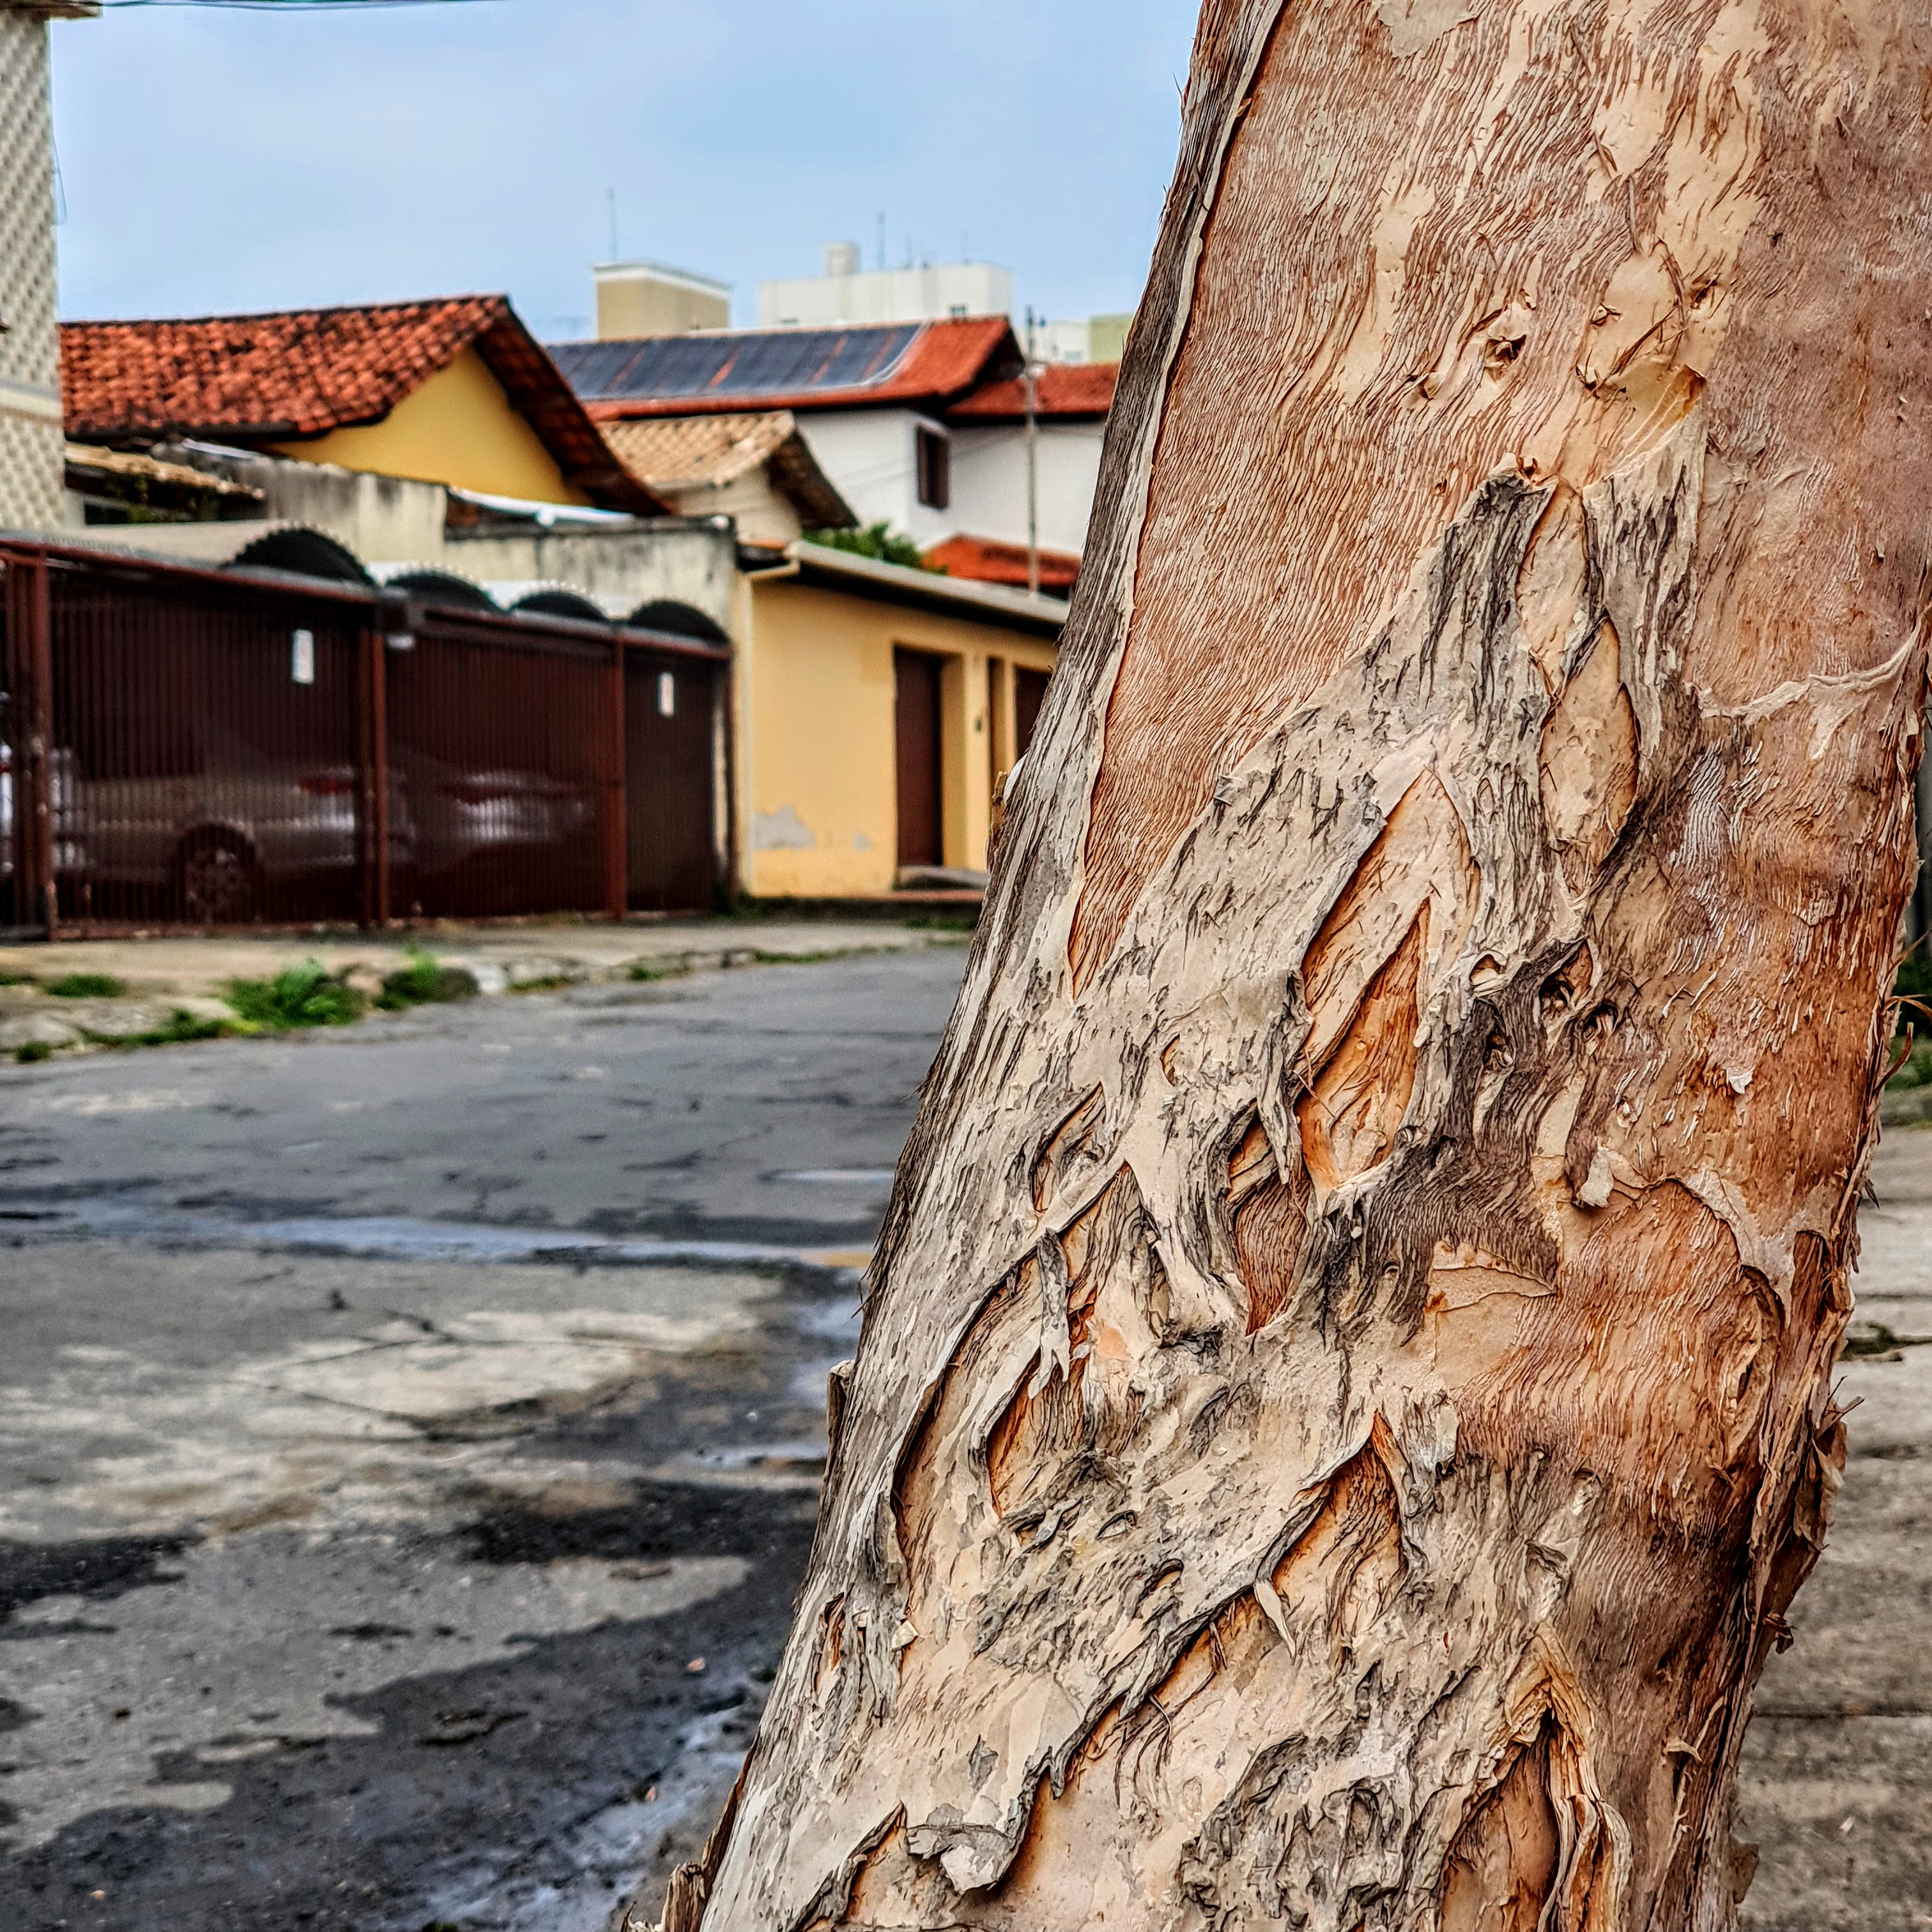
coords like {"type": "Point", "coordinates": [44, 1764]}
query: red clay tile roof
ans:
{"type": "Point", "coordinates": [251, 378]}
{"type": "Point", "coordinates": [985, 561]}
{"type": "Point", "coordinates": [1066, 389]}
{"type": "Point", "coordinates": [932, 363]}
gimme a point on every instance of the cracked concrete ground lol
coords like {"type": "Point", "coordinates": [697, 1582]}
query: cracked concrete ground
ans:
{"type": "Point", "coordinates": [409, 1438]}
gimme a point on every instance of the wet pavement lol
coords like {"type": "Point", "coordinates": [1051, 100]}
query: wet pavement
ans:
{"type": "Point", "coordinates": [410, 1437]}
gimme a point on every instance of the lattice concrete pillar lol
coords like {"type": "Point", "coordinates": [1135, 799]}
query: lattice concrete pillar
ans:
{"type": "Point", "coordinates": [31, 465]}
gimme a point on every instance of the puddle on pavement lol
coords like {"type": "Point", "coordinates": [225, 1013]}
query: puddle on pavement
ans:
{"type": "Point", "coordinates": [402, 1238]}
{"type": "Point", "coordinates": [840, 1177]}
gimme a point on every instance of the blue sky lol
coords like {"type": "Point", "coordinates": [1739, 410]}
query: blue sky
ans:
{"type": "Point", "coordinates": [214, 160]}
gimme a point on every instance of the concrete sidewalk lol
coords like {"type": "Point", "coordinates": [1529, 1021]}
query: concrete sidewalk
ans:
{"type": "Point", "coordinates": [189, 974]}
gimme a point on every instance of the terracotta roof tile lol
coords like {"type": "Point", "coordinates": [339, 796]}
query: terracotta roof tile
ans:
{"type": "Point", "coordinates": [984, 560]}
{"type": "Point", "coordinates": [1066, 389]}
{"type": "Point", "coordinates": [740, 370]}
{"type": "Point", "coordinates": [302, 373]}
{"type": "Point", "coordinates": [672, 454]}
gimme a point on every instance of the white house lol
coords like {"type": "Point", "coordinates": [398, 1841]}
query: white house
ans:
{"type": "Point", "coordinates": [921, 426]}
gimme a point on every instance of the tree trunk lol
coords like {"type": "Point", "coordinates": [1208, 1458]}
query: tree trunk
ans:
{"type": "Point", "coordinates": [1343, 1406]}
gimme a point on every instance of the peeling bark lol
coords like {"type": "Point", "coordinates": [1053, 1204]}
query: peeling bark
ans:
{"type": "Point", "coordinates": [1343, 1405]}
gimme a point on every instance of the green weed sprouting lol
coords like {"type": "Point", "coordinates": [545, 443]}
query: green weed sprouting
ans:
{"type": "Point", "coordinates": [87, 986]}
{"type": "Point", "coordinates": [304, 995]}
{"type": "Point", "coordinates": [424, 982]}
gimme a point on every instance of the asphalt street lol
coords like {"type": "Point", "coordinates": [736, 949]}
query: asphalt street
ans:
{"type": "Point", "coordinates": [410, 1437]}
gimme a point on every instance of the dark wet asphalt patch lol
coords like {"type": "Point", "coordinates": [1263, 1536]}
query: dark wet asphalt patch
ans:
{"type": "Point", "coordinates": [97, 1570]}
{"type": "Point", "coordinates": [660, 1519]}
{"type": "Point", "coordinates": [378, 1834]}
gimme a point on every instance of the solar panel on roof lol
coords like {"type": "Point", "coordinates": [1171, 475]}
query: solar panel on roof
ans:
{"type": "Point", "coordinates": [769, 362]}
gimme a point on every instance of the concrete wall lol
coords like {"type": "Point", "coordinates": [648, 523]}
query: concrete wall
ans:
{"type": "Point", "coordinates": [686, 563]}
{"type": "Point", "coordinates": [459, 428]}
{"type": "Point", "coordinates": [383, 519]}
{"type": "Point", "coordinates": [392, 520]}
{"type": "Point", "coordinates": [32, 495]}
{"type": "Point", "coordinates": [818, 747]}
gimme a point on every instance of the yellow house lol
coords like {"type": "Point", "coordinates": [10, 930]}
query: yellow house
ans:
{"type": "Point", "coordinates": [454, 391]}
{"type": "Point", "coordinates": [878, 709]}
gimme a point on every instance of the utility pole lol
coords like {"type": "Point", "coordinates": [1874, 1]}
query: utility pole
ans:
{"type": "Point", "coordinates": [1031, 380]}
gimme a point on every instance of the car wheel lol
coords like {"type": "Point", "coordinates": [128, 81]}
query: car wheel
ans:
{"type": "Point", "coordinates": [218, 882]}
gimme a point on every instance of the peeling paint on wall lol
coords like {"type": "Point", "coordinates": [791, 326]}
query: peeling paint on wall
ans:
{"type": "Point", "coordinates": [781, 831]}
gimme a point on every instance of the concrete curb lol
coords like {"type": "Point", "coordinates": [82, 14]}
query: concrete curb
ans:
{"type": "Point", "coordinates": [166, 978]}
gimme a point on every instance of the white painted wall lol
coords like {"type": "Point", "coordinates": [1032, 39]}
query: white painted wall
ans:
{"type": "Point", "coordinates": [930, 294]}
{"type": "Point", "coordinates": [989, 482]}
{"type": "Point", "coordinates": [869, 455]}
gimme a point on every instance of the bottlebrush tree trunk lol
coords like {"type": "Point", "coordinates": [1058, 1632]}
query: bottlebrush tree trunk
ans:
{"type": "Point", "coordinates": [1343, 1406]}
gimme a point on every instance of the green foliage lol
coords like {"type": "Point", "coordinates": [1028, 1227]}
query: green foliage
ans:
{"type": "Point", "coordinates": [425, 982]}
{"type": "Point", "coordinates": [35, 1050]}
{"type": "Point", "coordinates": [1912, 988]}
{"type": "Point", "coordinates": [303, 995]}
{"type": "Point", "coordinates": [877, 541]}
{"type": "Point", "coordinates": [1916, 1070]}
{"type": "Point", "coordinates": [86, 986]}
{"type": "Point", "coordinates": [646, 969]}
{"type": "Point", "coordinates": [9, 978]}
{"type": "Point", "coordinates": [182, 1028]}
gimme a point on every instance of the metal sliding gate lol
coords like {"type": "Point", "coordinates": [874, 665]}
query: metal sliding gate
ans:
{"type": "Point", "coordinates": [182, 747]}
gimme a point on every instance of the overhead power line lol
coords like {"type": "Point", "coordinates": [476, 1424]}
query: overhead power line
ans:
{"type": "Point", "coordinates": [297, 6]}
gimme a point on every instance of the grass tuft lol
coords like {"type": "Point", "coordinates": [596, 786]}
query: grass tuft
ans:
{"type": "Point", "coordinates": [87, 986]}
{"type": "Point", "coordinates": [644, 970]}
{"type": "Point", "coordinates": [303, 995]}
{"type": "Point", "coordinates": [33, 1052]}
{"type": "Point", "coordinates": [182, 1029]}
{"type": "Point", "coordinates": [424, 982]}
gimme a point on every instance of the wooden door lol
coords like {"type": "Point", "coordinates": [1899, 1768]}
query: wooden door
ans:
{"type": "Point", "coordinates": [668, 705]}
{"type": "Point", "coordinates": [1029, 694]}
{"type": "Point", "coordinates": [916, 701]}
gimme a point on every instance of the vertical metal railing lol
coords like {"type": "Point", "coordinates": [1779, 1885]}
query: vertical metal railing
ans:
{"type": "Point", "coordinates": [29, 723]}
{"type": "Point", "coordinates": [190, 747]}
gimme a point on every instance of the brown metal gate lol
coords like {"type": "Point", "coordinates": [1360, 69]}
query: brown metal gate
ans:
{"type": "Point", "coordinates": [498, 755]}
{"type": "Point", "coordinates": [183, 746]}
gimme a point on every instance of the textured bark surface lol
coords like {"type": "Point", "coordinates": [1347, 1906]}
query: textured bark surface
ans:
{"type": "Point", "coordinates": [1344, 1401]}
